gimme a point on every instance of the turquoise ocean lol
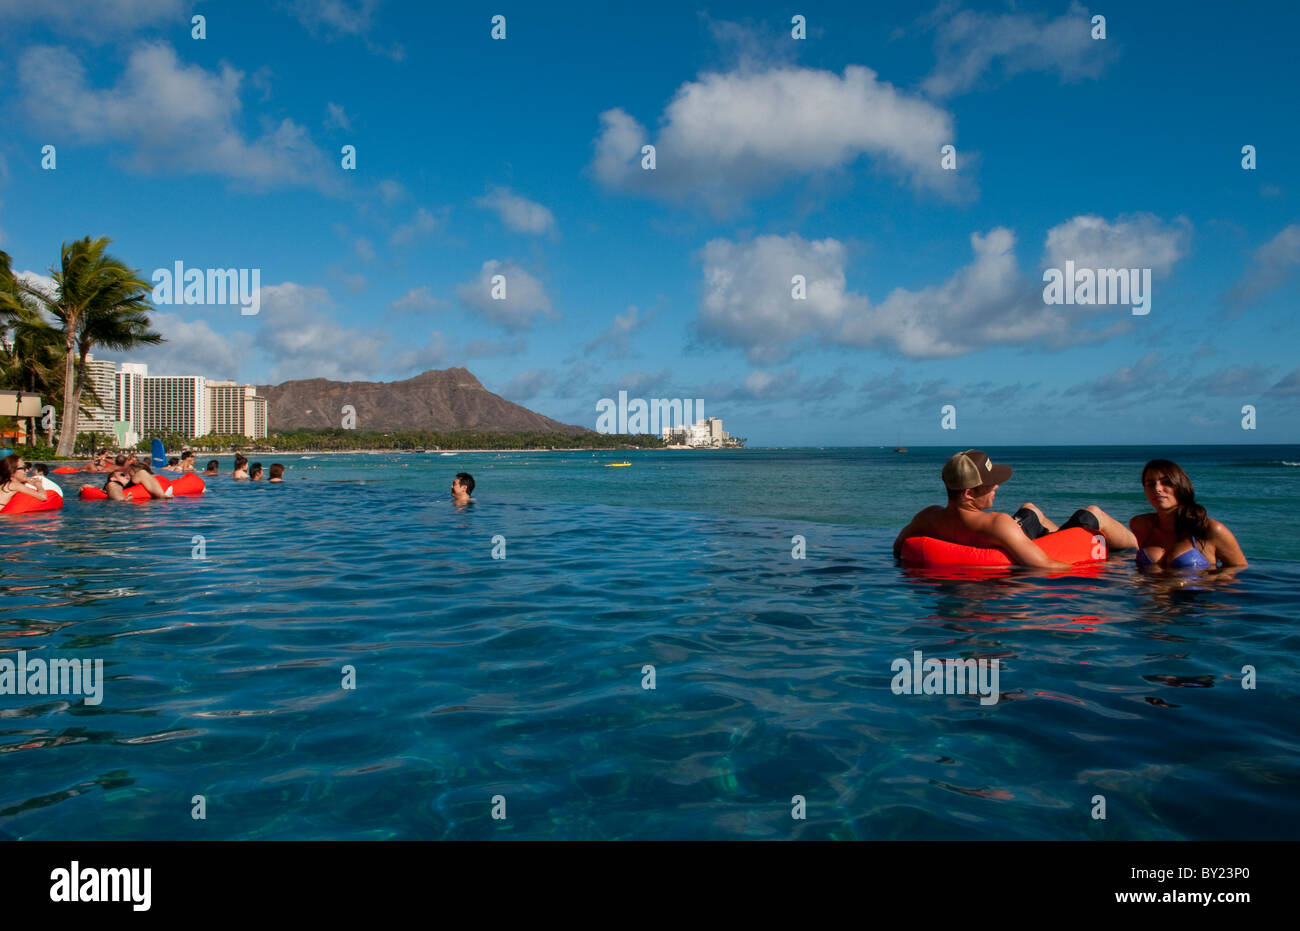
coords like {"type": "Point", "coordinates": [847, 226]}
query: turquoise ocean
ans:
{"type": "Point", "coordinates": [225, 623]}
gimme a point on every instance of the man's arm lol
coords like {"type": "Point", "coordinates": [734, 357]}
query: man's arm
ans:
{"type": "Point", "coordinates": [1019, 547]}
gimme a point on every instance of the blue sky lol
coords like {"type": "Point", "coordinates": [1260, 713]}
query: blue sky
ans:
{"type": "Point", "coordinates": [775, 157]}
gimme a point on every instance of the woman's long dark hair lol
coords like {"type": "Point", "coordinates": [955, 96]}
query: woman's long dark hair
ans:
{"type": "Point", "coordinates": [8, 466]}
{"type": "Point", "coordinates": [1191, 520]}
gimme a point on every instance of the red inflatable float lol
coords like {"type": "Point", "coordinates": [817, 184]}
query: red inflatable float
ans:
{"type": "Point", "coordinates": [64, 470]}
{"type": "Point", "coordinates": [187, 484]}
{"type": "Point", "coordinates": [26, 504]}
{"type": "Point", "coordinates": [1074, 546]}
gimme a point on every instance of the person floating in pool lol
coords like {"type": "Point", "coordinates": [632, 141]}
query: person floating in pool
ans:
{"type": "Point", "coordinates": [15, 480]}
{"type": "Point", "coordinates": [212, 468]}
{"type": "Point", "coordinates": [462, 486]}
{"type": "Point", "coordinates": [187, 461]}
{"type": "Point", "coordinates": [1180, 534]}
{"type": "Point", "coordinates": [137, 473]}
{"type": "Point", "coordinates": [173, 464]}
{"type": "Point", "coordinates": [277, 473]}
{"type": "Point", "coordinates": [972, 481]}
{"type": "Point", "coordinates": [255, 472]}
{"type": "Point", "coordinates": [241, 468]}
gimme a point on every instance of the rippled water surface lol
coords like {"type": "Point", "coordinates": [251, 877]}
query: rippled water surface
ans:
{"type": "Point", "coordinates": [522, 677]}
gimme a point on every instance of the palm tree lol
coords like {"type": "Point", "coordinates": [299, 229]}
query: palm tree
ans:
{"type": "Point", "coordinates": [97, 300]}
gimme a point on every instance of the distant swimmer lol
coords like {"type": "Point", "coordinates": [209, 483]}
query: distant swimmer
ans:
{"type": "Point", "coordinates": [241, 468]}
{"type": "Point", "coordinates": [212, 468]}
{"type": "Point", "coordinates": [277, 473]}
{"type": "Point", "coordinates": [16, 480]}
{"type": "Point", "coordinates": [1180, 534]}
{"type": "Point", "coordinates": [173, 464]}
{"type": "Point", "coordinates": [972, 481]}
{"type": "Point", "coordinates": [462, 486]}
{"type": "Point", "coordinates": [187, 461]}
{"type": "Point", "coordinates": [255, 472]}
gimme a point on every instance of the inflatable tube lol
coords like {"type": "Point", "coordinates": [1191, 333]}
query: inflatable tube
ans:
{"type": "Point", "coordinates": [1074, 546]}
{"type": "Point", "coordinates": [26, 504]}
{"type": "Point", "coordinates": [188, 484]}
{"type": "Point", "coordinates": [64, 470]}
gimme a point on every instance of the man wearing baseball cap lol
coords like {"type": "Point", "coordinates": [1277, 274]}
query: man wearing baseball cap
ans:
{"type": "Point", "coordinates": [972, 480]}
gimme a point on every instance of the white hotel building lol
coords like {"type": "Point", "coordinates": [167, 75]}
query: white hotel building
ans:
{"type": "Point", "coordinates": [707, 432]}
{"type": "Point", "coordinates": [190, 405]}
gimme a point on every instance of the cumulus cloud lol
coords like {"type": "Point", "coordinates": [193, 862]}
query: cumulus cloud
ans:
{"type": "Point", "coordinates": [192, 347]}
{"type": "Point", "coordinates": [435, 352]}
{"type": "Point", "coordinates": [364, 249]}
{"type": "Point", "coordinates": [1131, 241]}
{"type": "Point", "coordinates": [300, 333]}
{"type": "Point", "coordinates": [727, 136]}
{"type": "Point", "coordinates": [96, 20]}
{"type": "Point", "coordinates": [747, 298]}
{"type": "Point", "coordinates": [391, 191]}
{"type": "Point", "coordinates": [1272, 266]}
{"type": "Point", "coordinates": [975, 48]}
{"type": "Point", "coordinates": [518, 213]}
{"type": "Point", "coordinates": [171, 116]}
{"type": "Point", "coordinates": [1287, 386]}
{"type": "Point", "coordinates": [747, 301]}
{"type": "Point", "coordinates": [525, 297]}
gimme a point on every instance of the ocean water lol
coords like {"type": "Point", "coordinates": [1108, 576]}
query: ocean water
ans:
{"type": "Point", "coordinates": [522, 677]}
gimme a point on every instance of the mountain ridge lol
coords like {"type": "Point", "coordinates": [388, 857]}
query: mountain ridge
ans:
{"type": "Point", "coordinates": [437, 399]}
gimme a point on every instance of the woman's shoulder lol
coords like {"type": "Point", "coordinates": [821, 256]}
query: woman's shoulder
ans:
{"type": "Point", "coordinates": [1140, 521]}
{"type": "Point", "coordinates": [1219, 531]}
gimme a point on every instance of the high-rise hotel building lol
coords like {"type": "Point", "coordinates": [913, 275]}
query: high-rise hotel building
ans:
{"type": "Point", "coordinates": [130, 398]}
{"type": "Point", "coordinates": [175, 404]}
{"type": "Point", "coordinates": [190, 405]}
{"type": "Point", "coordinates": [98, 417]}
{"type": "Point", "coordinates": [236, 410]}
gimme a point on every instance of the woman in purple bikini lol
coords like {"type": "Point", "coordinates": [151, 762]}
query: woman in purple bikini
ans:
{"type": "Point", "coordinates": [1180, 534]}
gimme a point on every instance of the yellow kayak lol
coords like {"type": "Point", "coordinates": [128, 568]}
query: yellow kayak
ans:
{"type": "Point", "coordinates": [615, 465]}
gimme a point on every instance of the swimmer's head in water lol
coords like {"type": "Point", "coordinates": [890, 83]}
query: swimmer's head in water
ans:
{"type": "Point", "coordinates": [1162, 479]}
{"type": "Point", "coordinates": [462, 484]}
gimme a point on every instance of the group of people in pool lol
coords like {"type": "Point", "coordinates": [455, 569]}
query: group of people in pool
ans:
{"type": "Point", "coordinates": [126, 470]}
{"type": "Point", "coordinates": [1177, 534]}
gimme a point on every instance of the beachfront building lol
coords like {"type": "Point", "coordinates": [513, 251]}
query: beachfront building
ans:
{"type": "Point", "coordinates": [236, 410]}
{"type": "Point", "coordinates": [175, 404]}
{"type": "Point", "coordinates": [707, 433]}
{"type": "Point", "coordinates": [98, 418]}
{"type": "Point", "coordinates": [130, 399]}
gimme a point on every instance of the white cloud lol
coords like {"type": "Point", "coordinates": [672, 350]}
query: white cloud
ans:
{"type": "Point", "coordinates": [747, 299]}
{"type": "Point", "coordinates": [615, 338]}
{"type": "Point", "coordinates": [97, 20]}
{"type": "Point", "coordinates": [526, 385]}
{"type": "Point", "coordinates": [727, 136]}
{"type": "Point", "coordinates": [336, 117]}
{"type": "Point", "coordinates": [416, 300]}
{"type": "Point", "coordinates": [299, 331]}
{"type": "Point", "coordinates": [364, 249]}
{"type": "Point", "coordinates": [970, 45]}
{"type": "Point", "coordinates": [1271, 266]}
{"type": "Point", "coordinates": [174, 118]}
{"type": "Point", "coordinates": [518, 213]}
{"type": "Point", "coordinates": [1133, 241]}
{"type": "Point", "coordinates": [525, 295]}
{"type": "Point", "coordinates": [422, 224]}
{"type": "Point", "coordinates": [391, 191]}
{"type": "Point", "coordinates": [42, 283]}
{"type": "Point", "coordinates": [333, 19]}
{"type": "Point", "coordinates": [192, 347]}
{"type": "Point", "coordinates": [434, 353]}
